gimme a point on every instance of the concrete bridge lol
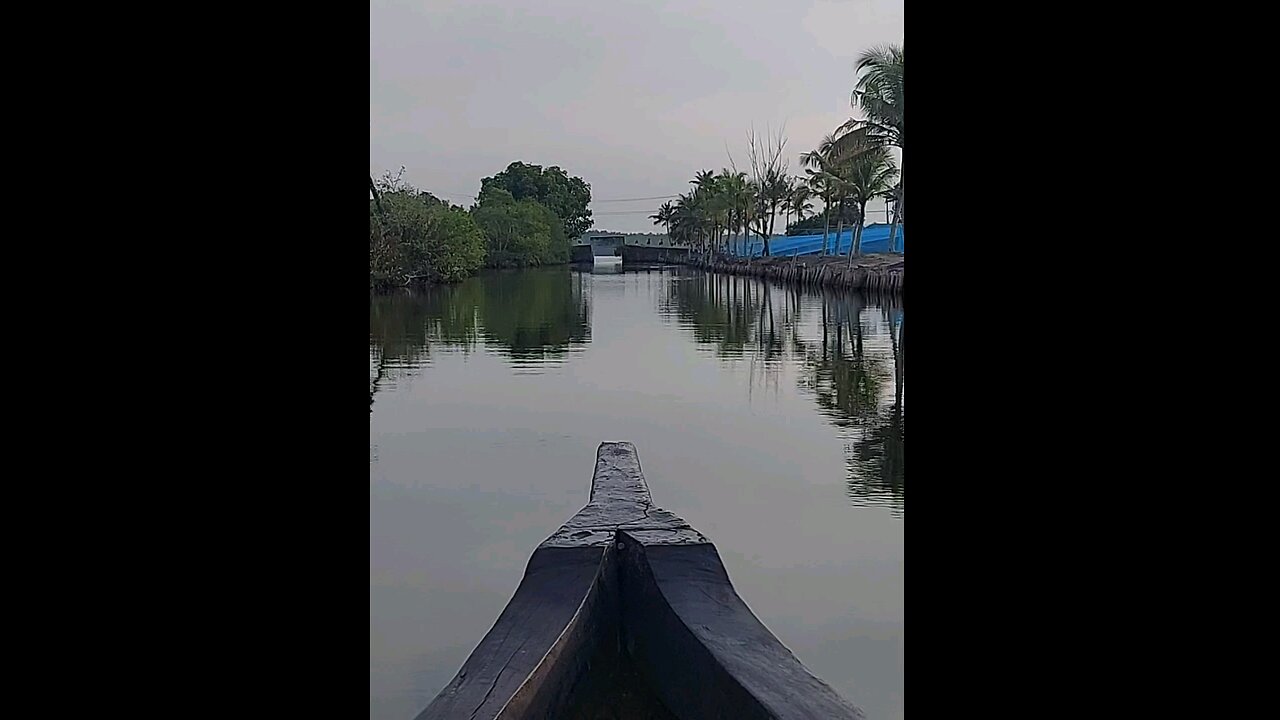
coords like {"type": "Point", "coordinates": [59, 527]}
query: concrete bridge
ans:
{"type": "Point", "coordinates": [632, 248]}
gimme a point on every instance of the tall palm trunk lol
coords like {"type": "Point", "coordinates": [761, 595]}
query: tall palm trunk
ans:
{"type": "Point", "coordinates": [862, 224]}
{"type": "Point", "coordinates": [855, 247]}
{"type": "Point", "coordinates": [897, 207]}
{"type": "Point", "coordinates": [835, 250]}
{"type": "Point", "coordinates": [764, 237]}
{"type": "Point", "coordinates": [826, 229]}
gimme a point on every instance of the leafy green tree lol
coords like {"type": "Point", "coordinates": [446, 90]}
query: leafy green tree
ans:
{"type": "Point", "coordinates": [567, 197]}
{"type": "Point", "coordinates": [808, 226]}
{"type": "Point", "coordinates": [519, 232]}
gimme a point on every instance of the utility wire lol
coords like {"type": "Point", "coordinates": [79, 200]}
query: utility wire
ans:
{"type": "Point", "coordinates": [612, 200]}
{"type": "Point", "coordinates": [655, 197]}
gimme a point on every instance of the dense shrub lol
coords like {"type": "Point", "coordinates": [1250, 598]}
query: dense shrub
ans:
{"type": "Point", "coordinates": [416, 236]}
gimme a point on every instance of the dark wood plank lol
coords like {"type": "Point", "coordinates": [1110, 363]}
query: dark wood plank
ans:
{"type": "Point", "coordinates": [705, 653]}
{"type": "Point", "coordinates": [553, 588]}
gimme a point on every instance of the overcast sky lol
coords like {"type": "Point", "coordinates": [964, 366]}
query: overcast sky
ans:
{"type": "Point", "coordinates": [634, 97]}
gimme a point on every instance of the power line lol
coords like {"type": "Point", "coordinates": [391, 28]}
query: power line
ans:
{"type": "Point", "coordinates": [655, 197]}
{"type": "Point", "coordinates": [625, 212]}
{"type": "Point", "coordinates": [611, 200]}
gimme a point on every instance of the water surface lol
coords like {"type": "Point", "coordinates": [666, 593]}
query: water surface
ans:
{"type": "Point", "coordinates": [771, 419]}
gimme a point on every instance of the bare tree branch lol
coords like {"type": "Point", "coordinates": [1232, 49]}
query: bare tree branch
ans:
{"type": "Point", "coordinates": [769, 174]}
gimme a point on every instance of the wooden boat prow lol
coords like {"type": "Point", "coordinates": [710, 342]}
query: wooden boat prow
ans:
{"type": "Point", "coordinates": [626, 611]}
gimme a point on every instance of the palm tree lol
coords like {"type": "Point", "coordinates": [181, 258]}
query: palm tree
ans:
{"type": "Point", "coordinates": [817, 184]}
{"type": "Point", "coordinates": [799, 203]}
{"type": "Point", "coordinates": [842, 205]}
{"type": "Point", "coordinates": [719, 208]}
{"type": "Point", "coordinates": [745, 205]}
{"type": "Point", "coordinates": [870, 174]}
{"type": "Point", "coordinates": [828, 181]}
{"type": "Point", "coordinates": [878, 94]}
{"type": "Point", "coordinates": [821, 162]}
{"type": "Point", "coordinates": [789, 187]}
{"type": "Point", "coordinates": [837, 190]}
{"type": "Point", "coordinates": [771, 194]}
{"type": "Point", "coordinates": [705, 205]}
{"type": "Point", "coordinates": [663, 216]}
{"type": "Point", "coordinates": [737, 198]}
{"type": "Point", "coordinates": [687, 219]}
{"type": "Point", "coordinates": [769, 175]}
{"type": "Point", "coordinates": [890, 197]}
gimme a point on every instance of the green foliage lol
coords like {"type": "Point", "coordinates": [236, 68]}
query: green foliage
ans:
{"type": "Point", "coordinates": [519, 233]}
{"type": "Point", "coordinates": [879, 95]}
{"type": "Point", "coordinates": [520, 220]}
{"type": "Point", "coordinates": [416, 235]}
{"type": "Point", "coordinates": [455, 246]}
{"type": "Point", "coordinates": [813, 224]}
{"type": "Point", "coordinates": [567, 197]}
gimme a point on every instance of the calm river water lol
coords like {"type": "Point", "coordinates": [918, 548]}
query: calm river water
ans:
{"type": "Point", "coordinates": [769, 418]}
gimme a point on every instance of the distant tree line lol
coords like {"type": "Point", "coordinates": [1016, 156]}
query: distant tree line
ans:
{"type": "Point", "coordinates": [523, 216]}
{"type": "Point", "coordinates": [851, 166]}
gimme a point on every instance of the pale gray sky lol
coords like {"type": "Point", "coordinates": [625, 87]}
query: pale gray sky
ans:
{"type": "Point", "coordinates": [634, 97]}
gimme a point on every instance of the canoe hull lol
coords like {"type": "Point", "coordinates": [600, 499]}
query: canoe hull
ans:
{"type": "Point", "coordinates": [626, 611]}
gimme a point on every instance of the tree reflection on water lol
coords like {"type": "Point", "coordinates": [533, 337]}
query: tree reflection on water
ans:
{"type": "Point", "coordinates": [838, 339]}
{"type": "Point", "coordinates": [531, 316]}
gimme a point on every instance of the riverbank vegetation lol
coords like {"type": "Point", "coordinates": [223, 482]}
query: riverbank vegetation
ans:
{"type": "Point", "coordinates": [849, 168]}
{"type": "Point", "coordinates": [524, 216]}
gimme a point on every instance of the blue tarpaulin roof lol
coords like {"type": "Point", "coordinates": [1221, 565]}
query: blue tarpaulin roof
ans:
{"type": "Point", "coordinates": [875, 239]}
